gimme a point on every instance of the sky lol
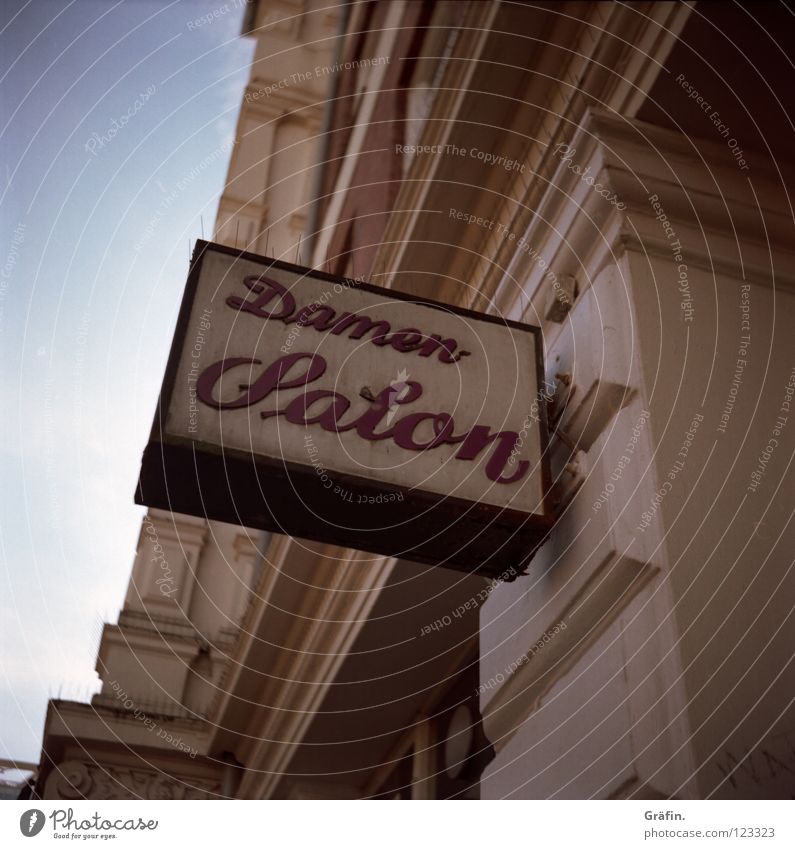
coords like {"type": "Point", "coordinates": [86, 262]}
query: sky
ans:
{"type": "Point", "coordinates": [116, 126]}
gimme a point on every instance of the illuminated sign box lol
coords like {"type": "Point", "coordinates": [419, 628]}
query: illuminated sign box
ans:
{"type": "Point", "coordinates": [315, 406]}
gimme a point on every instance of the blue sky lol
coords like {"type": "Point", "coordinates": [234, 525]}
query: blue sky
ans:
{"type": "Point", "coordinates": [105, 110]}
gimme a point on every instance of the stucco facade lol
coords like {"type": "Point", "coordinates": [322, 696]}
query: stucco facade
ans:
{"type": "Point", "coordinates": [546, 164]}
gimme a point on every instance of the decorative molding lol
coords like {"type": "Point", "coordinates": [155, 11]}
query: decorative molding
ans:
{"type": "Point", "coordinates": [714, 208]}
{"type": "Point", "coordinates": [80, 780]}
{"type": "Point", "coordinates": [333, 613]}
{"type": "Point", "coordinates": [588, 77]}
{"type": "Point", "coordinates": [292, 103]}
{"type": "Point", "coordinates": [586, 614]}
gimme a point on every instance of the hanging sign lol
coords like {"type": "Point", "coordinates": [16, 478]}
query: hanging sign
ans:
{"type": "Point", "coordinates": [316, 406]}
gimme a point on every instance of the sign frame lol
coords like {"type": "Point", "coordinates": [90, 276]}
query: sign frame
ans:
{"type": "Point", "coordinates": [203, 479]}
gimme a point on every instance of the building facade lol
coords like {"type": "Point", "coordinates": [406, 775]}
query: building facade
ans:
{"type": "Point", "coordinates": [606, 173]}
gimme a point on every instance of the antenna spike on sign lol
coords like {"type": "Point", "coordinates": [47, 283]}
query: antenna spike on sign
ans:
{"type": "Point", "coordinates": [298, 251]}
{"type": "Point", "coordinates": [237, 232]}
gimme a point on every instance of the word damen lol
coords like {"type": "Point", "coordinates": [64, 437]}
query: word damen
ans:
{"type": "Point", "coordinates": [324, 319]}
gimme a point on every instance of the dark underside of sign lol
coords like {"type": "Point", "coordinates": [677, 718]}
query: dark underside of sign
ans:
{"type": "Point", "coordinates": [342, 510]}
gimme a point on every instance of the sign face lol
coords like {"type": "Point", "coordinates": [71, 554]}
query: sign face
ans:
{"type": "Point", "coordinates": [316, 406]}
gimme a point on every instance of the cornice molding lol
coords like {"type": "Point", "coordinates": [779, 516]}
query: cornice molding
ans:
{"type": "Point", "coordinates": [174, 528]}
{"type": "Point", "coordinates": [728, 222]}
{"type": "Point", "coordinates": [333, 610]}
{"type": "Point", "coordinates": [73, 779]}
{"type": "Point", "coordinates": [558, 645]}
{"type": "Point", "coordinates": [333, 614]}
{"type": "Point", "coordinates": [588, 77]}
